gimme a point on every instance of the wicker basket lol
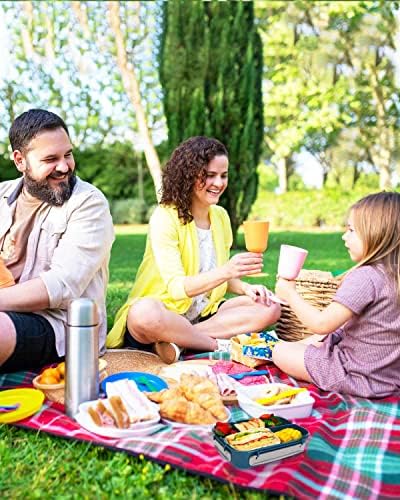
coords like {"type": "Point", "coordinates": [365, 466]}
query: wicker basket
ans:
{"type": "Point", "coordinates": [55, 392]}
{"type": "Point", "coordinates": [318, 289]}
{"type": "Point", "coordinates": [237, 355]}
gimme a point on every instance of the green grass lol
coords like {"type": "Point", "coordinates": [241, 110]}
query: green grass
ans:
{"type": "Point", "coordinates": [36, 465]}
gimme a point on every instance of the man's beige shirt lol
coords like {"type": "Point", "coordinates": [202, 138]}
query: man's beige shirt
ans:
{"type": "Point", "coordinates": [69, 249]}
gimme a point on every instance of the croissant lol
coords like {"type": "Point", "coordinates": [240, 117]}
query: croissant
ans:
{"type": "Point", "coordinates": [213, 404]}
{"type": "Point", "coordinates": [204, 392]}
{"type": "Point", "coordinates": [192, 385]}
{"type": "Point", "coordinates": [181, 410]}
{"type": "Point", "coordinates": [165, 394]}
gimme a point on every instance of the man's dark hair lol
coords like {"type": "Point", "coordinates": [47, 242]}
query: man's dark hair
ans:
{"type": "Point", "coordinates": [28, 125]}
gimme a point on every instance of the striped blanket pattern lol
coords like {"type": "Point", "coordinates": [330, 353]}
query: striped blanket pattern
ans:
{"type": "Point", "coordinates": [353, 452]}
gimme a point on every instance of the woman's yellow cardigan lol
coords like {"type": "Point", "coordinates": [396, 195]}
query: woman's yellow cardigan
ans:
{"type": "Point", "coordinates": [171, 254]}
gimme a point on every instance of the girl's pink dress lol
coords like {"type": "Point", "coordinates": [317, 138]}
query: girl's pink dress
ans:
{"type": "Point", "coordinates": [361, 358]}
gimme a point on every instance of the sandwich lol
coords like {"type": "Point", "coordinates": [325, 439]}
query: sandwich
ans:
{"type": "Point", "coordinates": [252, 424]}
{"type": "Point", "coordinates": [252, 439]}
{"type": "Point", "coordinates": [138, 407]}
{"type": "Point", "coordinates": [110, 413]}
{"type": "Point", "coordinates": [124, 406]}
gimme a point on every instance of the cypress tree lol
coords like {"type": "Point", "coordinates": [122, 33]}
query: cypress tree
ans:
{"type": "Point", "coordinates": [211, 73]}
{"type": "Point", "coordinates": [183, 59]}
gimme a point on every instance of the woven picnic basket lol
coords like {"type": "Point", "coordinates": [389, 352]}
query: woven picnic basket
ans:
{"type": "Point", "coordinates": [317, 288]}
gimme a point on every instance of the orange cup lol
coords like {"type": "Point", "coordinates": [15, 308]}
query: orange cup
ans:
{"type": "Point", "coordinates": [256, 235]}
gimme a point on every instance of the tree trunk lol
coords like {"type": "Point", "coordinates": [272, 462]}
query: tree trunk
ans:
{"type": "Point", "coordinates": [283, 175]}
{"type": "Point", "coordinates": [131, 85]}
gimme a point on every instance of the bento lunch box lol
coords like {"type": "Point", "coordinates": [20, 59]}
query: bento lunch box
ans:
{"type": "Point", "coordinates": [259, 456]}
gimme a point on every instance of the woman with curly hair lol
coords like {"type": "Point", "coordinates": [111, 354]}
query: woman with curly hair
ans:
{"type": "Point", "coordinates": [178, 296]}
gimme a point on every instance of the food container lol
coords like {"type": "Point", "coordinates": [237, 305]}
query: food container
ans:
{"type": "Point", "coordinates": [300, 407]}
{"type": "Point", "coordinates": [55, 392]}
{"type": "Point", "coordinates": [252, 349]}
{"type": "Point", "coordinates": [262, 455]}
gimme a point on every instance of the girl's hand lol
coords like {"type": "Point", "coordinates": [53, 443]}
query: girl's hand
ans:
{"type": "Point", "coordinates": [244, 264]}
{"type": "Point", "coordinates": [285, 288]}
{"type": "Point", "coordinates": [258, 293]}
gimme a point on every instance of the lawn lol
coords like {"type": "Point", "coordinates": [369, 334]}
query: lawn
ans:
{"type": "Point", "coordinates": [35, 465]}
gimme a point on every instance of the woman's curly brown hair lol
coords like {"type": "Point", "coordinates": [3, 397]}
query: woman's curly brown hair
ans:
{"type": "Point", "coordinates": [187, 164]}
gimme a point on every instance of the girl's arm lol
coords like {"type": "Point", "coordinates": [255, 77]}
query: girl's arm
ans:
{"type": "Point", "coordinates": [322, 322]}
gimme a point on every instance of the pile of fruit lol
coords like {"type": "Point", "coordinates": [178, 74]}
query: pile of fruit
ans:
{"type": "Point", "coordinates": [54, 375]}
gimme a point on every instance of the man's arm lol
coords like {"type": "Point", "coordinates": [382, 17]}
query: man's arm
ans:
{"type": "Point", "coordinates": [24, 297]}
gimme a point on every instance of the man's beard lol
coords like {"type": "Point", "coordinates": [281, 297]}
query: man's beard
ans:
{"type": "Point", "coordinates": [43, 191]}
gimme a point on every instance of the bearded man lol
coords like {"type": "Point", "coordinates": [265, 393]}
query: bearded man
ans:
{"type": "Point", "coordinates": [56, 234]}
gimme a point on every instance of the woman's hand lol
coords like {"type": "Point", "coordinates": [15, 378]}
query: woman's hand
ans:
{"type": "Point", "coordinates": [244, 264]}
{"type": "Point", "coordinates": [285, 288]}
{"type": "Point", "coordinates": [258, 293]}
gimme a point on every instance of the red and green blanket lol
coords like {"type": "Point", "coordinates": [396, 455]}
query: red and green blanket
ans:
{"type": "Point", "coordinates": [353, 452]}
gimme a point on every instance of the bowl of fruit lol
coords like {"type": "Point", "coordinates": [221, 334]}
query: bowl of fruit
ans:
{"type": "Point", "coordinates": [52, 380]}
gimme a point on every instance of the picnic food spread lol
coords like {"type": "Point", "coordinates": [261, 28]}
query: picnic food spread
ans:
{"type": "Point", "coordinates": [195, 400]}
{"type": "Point", "coordinates": [190, 393]}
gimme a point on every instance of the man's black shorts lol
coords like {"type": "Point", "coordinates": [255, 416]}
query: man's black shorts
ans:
{"type": "Point", "coordinates": [35, 345]}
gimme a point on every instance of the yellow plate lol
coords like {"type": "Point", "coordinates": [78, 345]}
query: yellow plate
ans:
{"type": "Point", "coordinates": [30, 401]}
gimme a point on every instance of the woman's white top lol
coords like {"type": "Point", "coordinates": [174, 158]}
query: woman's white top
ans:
{"type": "Point", "coordinates": [208, 261]}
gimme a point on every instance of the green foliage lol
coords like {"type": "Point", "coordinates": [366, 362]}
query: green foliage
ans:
{"type": "Point", "coordinates": [305, 209]}
{"type": "Point", "coordinates": [129, 211]}
{"type": "Point", "coordinates": [114, 169]}
{"type": "Point", "coordinates": [268, 180]}
{"type": "Point", "coordinates": [183, 56]}
{"type": "Point", "coordinates": [234, 100]}
{"type": "Point", "coordinates": [330, 85]}
{"type": "Point", "coordinates": [7, 169]}
{"type": "Point", "coordinates": [211, 68]}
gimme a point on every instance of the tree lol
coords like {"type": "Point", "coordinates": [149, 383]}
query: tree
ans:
{"type": "Point", "coordinates": [215, 50]}
{"type": "Point", "coordinates": [131, 86]}
{"type": "Point", "coordinates": [329, 76]}
{"type": "Point", "coordinates": [364, 50]}
{"type": "Point", "coordinates": [300, 100]}
{"type": "Point", "coordinates": [86, 71]}
{"type": "Point", "coordinates": [183, 61]}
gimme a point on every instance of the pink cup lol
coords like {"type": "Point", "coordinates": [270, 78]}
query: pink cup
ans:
{"type": "Point", "coordinates": [291, 260]}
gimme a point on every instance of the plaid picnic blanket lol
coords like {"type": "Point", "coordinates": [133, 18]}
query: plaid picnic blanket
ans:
{"type": "Point", "coordinates": [353, 452]}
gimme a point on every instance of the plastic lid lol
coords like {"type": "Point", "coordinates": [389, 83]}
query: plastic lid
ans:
{"type": "Point", "coordinates": [82, 312]}
{"type": "Point", "coordinates": [29, 401]}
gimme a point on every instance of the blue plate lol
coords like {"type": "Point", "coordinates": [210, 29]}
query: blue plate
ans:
{"type": "Point", "coordinates": [146, 382]}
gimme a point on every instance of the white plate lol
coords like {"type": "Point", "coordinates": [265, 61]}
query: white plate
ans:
{"type": "Point", "coordinates": [300, 406]}
{"type": "Point", "coordinates": [141, 428]}
{"type": "Point", "coordinates": [193, 426]}
{"type": "Point", "coordinates": [176, 370]}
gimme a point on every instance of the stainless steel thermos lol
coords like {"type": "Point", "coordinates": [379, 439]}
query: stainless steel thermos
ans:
{"type": "Point", "coordinates": [81, 354]}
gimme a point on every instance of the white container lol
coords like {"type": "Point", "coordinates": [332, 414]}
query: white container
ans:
{"type": "Point", "coordinates": [300, 406]}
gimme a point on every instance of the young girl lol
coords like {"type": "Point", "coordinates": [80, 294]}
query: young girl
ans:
{"type": "Point", "coordinates": [360, 354]}
{"type": "Point", "coordinates": [178, 298]}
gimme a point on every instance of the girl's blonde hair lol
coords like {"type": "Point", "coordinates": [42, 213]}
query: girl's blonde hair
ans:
{"type": "Point", "coordinates": [376, 220]}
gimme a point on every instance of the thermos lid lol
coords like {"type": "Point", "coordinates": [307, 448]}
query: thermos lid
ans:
{"type": "Point", "coordinates": [82, 312]}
